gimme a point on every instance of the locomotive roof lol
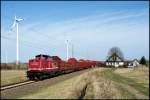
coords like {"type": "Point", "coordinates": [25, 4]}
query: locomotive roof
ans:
{"type": "Point", "coordinates": [55, 57]}
{"type": "Point", "coordinates": [47, 56]}
{"type": "Point", "coordinates": [43, 55]}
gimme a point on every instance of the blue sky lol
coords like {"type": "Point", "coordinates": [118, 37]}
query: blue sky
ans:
{"type": "Point", "coordinates": [93, 27]}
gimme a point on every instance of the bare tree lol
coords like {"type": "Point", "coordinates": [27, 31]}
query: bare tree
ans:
{"type": "Point", "coordinates": [114, 52]}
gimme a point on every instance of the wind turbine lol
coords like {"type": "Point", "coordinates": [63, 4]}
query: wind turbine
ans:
{"type": "Point", "coordinates": [72, 48]}
{"type": "Point", "coordinates": [16, 24]}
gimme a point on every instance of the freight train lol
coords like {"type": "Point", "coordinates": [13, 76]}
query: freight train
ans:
{"type": "Point", "coordinates": [45, 66]}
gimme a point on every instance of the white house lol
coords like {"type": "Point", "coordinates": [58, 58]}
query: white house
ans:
{"type": "Point", "coordinates": [115, 61]}
{"type": "Point", "coordinates": [133, 63]}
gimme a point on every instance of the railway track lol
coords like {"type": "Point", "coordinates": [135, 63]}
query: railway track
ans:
{"type": "Point", "coordinates": [17, 90]}
{"type": "Point", "coordinates": [16, 85]}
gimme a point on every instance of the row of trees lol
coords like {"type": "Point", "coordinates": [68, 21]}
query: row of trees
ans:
{"type": "Point", "coordinates": [117, 51]}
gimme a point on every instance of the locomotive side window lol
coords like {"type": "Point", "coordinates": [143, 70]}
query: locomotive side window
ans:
{"type": "Point", "coordinates": [54, 65]}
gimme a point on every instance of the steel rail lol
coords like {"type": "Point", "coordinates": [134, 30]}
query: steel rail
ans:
{"type": "Point", "coordinates": [15, 85]}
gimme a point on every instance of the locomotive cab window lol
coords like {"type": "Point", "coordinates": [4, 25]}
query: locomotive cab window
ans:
{"type": "Point", "coordinates": [54, 65]}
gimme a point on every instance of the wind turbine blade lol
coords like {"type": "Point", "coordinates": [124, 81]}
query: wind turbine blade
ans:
{"type": "Point", "coordinates": [14, 24]}
{"type": "Point", "coordinates": [20, 19]}
{"type": "Point", "coordinates": [15, 17]}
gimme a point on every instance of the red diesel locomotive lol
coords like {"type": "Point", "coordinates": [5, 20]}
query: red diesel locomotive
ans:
{"type": "Point", "coordinates": [44, 66]}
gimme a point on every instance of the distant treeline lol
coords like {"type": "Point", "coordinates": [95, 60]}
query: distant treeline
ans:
{"type": "Point", "coordinates": [9, 66]}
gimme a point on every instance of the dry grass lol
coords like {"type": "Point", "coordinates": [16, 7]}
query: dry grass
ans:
{"type": "Point", "coordinates": [56, 91]}
{"type": "Point", "coordinates": [61, 90]}
{"type": "Point", "coordinates": [81, 83]}
{"type": "Point", "coordinates": [99, 83]}
{"type": "Point", "coordinates": [139, 74]}
{"type": "Point", "coordinates": [123, 70]}
{"type": "Point", "coordinates": [136, 81]}
{"type": "Point", "coordinates": [13, 66]}
{"type": "Point", "coordinates": [12, 76]}
{"type": "Point", "coordinates": [102, 89]}
{"type": "Point", "coordinates": [97, 87]}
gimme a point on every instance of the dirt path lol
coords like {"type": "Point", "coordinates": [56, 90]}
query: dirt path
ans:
{"type": "Point", "coordinates": [33, 87]}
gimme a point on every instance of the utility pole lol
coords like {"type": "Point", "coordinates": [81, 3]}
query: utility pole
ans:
{"type": "Point", "coordinates": [72, 51]}
{"type": "Point", "coordinates": [67, 49]}
{"type": "Point", "coordinates": [87, 54]}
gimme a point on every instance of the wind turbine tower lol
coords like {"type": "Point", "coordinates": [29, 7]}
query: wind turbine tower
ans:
{"type": "Point", "coordinates": [72, 50]}
{"type": "Point", "coordinates": [16, 24]}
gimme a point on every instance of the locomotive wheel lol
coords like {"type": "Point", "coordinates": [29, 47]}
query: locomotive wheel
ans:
{"type": "Point", "coordinates": [39, 77]}
{"type": "Point", "coordinates": [31, 78]}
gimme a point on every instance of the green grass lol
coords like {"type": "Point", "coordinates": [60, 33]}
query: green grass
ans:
{"type": "Point", "coordinates": [121, 79]}
{"type": "Point", "coordinates": [12, 76]}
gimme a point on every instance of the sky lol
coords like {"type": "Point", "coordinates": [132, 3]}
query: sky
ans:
{"type": "Point", "coordinates": [92, 28]}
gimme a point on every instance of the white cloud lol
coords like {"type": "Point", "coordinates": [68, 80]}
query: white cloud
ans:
{"type": "Point", "coordinates": [94, 32]}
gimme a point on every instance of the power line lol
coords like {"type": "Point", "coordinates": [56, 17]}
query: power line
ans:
{"type": "Point", "coordinates": [35, 31]}
{"type": "Point", "coordinates": [44, 35]}
{"type": "Point", "coordinates": [25, 42]}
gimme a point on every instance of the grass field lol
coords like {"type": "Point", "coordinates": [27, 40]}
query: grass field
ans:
{"type": "Point", "coordinates": [130, 83]}
{"type": "Point", "coordinates": [13, 66]}
{"type": "Point", "coordinates": [12, 76]}
{"type": "Point", "coordinates": [100, 83]}
{"type": "Point", "coordinates": [59, 90]}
